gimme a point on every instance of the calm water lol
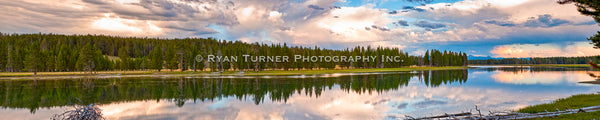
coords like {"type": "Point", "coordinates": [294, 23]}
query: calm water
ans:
{"type": "Point", "coordinates": [332, 96]}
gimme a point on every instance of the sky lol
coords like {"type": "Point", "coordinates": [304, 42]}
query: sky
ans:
{"type": "Point", "coordinates": [497, 28]}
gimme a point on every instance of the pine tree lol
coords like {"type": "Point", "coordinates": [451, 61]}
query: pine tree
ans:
{"type": "Point", "coordinates": [50, 59]}
{"type": "Point", "coordinates": [33, 60]}
{"type": "Point", "coordinates": [157, 58]}
{"type": "Point", "coordinates": [426, 58]}
{"type": "Point", "coordinates": [171, 58]}
{"type": "Point", "coordinates": [62, 59]}
{"type": "Point", "coordinates": [10, 65]}
{"type": "Point", "coordinates": [125, 59]}
{"type": "Point", "coordinates": [73, 58]}
{"type": "Point", "coordinates": [100, 60]}
{"type": "Point", "coordinates": [3, 55]}
{"type": "Point", "coordinates": [464, 59]}
{"type": "Point", "coordinates": [86, 59]}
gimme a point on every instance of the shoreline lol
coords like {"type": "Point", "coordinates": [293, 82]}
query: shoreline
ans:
{"type": "Point", "coordinates": [54, 75]}
{"type": "Point", "coordinates": [264, 72]}
{"type": "Point", "coordinates": [571, 102]}
{"type": "Point", "coordinates": [136, 73]}
{"type": "Point", "coordinates": [539, 65]}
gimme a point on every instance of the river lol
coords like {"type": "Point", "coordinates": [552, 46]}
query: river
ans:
{"type": "Point", "coordinates": [388, 95]}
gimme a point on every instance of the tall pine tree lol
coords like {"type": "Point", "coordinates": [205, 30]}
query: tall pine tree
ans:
{"type": "Point", "coordinates": [86, 59]}
{"type": "Point", "coordinates": [156, 61]}
{"type": "Point", "coordinates": [33, 61]}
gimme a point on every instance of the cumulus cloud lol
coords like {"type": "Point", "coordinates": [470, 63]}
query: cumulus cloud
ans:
{"type": "Point", "coordinates": [430, 25]}
{"type": "Point", "coordinates": [483, 24]}
{"type": "Point", "coordinates": [500, 23]}
{"type": "Point", "coordinates": [544, 21]}
{"type": "Point", "coordinates": [355, 27]}
{"type": "Point", "coordinates": [315, 7]}
{"type": "Point", "coordinates": [402, 23]}
{"type": "Point", "coordinates": [380, 28]}
{"type": "Point", "coordinates": [308, 22]}
{"type": "Point", "coordinates": [127, 18]}
{"type": "Point", "coordinates": [406, 8]}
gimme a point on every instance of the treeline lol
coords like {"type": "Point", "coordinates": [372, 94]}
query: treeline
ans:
{"type": "Point", "coordinates": [537, 60]}
{"type": "Point", "coordinates": [51, 52]}
{"type": "Point", "coordinates": [447, 58]}
{"type": "Point", "coordinates": [53, 93]}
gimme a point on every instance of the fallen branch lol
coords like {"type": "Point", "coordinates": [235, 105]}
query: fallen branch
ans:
{"type": "Point", "coordinates": [81, 112]}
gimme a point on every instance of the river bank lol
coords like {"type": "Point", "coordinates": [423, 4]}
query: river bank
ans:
{"type": "Point", "coordinates": [573, 102]}
{"type": "Point", "coordinates": [576, 107]}
{"type": "Point", "coordinates": [41, 75]}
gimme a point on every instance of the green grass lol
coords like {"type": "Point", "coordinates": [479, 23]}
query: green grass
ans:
{"type": "Point", "coordinates": [573, 102]}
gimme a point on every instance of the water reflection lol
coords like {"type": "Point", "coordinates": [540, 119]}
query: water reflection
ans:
{"type": "Point", "coordinates": [362, 96]}
{"type": "Point", "coordinates": [539, 75]}
{"type": "Point", "coordinates": [547, 78]}
{"type": "Point", "coordinates": [49, 93]}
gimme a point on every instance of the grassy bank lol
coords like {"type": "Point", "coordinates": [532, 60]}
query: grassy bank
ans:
{"type": "Point", "coordinates": [268, 72]}
{"type": "Point", "coordinates": [573, 102]}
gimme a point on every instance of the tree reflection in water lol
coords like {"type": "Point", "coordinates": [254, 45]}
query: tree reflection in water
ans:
{"type": "Point", "coordinates": [51, 93]}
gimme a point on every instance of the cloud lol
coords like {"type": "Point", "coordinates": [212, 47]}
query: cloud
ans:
{"type": "Point", "coordinates": [328, 23]}
{"type": "Point", "coordinates": [402, 23]}
{"type": "Point", "coordinates": [545, 20]}
{"type": "Point", "coordinates": [588, 23]}
{"type": "Point", "coordinates": [413, 8]}
{"type": "Point", "coordinates": [500, 23]}
{"type": "Point", "coordinates": [480, 25]}
{"type": "Point", "coordinates": [137, 18]}
{"type": "Point", "coordinates": [315, 7]}
{"type": "Point", "coordinates": [379, 28]}
{"type": "Point", "coordinates": [429, 25]}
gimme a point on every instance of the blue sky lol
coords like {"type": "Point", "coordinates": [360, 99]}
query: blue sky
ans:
{"type": "Point", "coordinates": [497, 28]}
